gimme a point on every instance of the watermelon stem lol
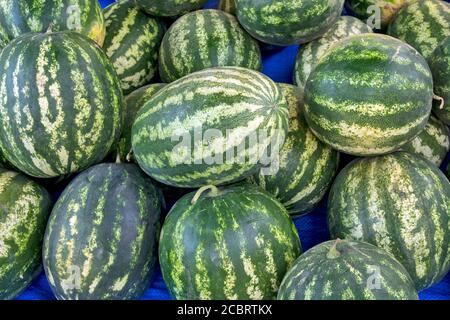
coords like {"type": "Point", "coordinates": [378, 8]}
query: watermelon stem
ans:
{"type": "Point", "coordinates": [213, 191]}
{"type": "Point", "coordinates": [438, 98]}
{"type": "Point", "coordinates": [118, 158]}
{"type": "Point", "coordinates": [129, 155]}
{"type": "Point", "coordinates": [50, 28]}
{"type": "Point", "coordinates": [334, 253]}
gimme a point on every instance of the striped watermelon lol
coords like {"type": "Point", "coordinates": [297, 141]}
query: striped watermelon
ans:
{"type": "Point", "coordinates": [398, 202]}
{"type": "Point", "coordinates": [228, 6]}
{"type": "Point", "coordinates": [199, 129]}
{"type": "Point", "coordinates": [22, 16]}
{"type": "Point", "coordinates": [370, 94]}
{"type": "Point", "coordinates": [231, 243]}
{"type": "Point", "coordinates": [347, 270]}
{"type": "Point", "coordinates": [439, 62]}
{"type": "Point", "coordinates": [432, 143]}
{"type": "Point", "coordinates": [309, 55]}
{"type": "Point", "coordinates": [132, 43]}
{"type": "Point", "coordinates": [101, 239]}
{"type": "Point", "coordinates": [222, 42]}
{"type": "Point", "coordinates": [307, 166]}
{"type": "Point", "coordinates": [61, 103]}
{"type": "Point", "coordinates": [286, 22]}
{"type": "Point", "coordinates": [170, 8]}
{"type": "Point", "coordinates": [24, 211]}
{"type": "Point", "coordinates": [423, 24]}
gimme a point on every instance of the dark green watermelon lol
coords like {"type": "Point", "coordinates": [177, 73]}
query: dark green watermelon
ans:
{"type": "Point", "coordinates": [170, 8]}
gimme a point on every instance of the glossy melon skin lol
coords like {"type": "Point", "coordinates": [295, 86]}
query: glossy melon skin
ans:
{"type": "Point", "coordinates": [347, 270]}
{"type": "Point", "coordinates": [236, 242]}
{"type": "Point", "coordinates": [25, 207]}
{"type": "Point", "coordinates": [61, 107]}
{"type": "Point", "coordinates": [101, 239]}
{"type": "Point", "coordinates": [398, 202]}
{"type": "Point", "coordinates": [170, 8]}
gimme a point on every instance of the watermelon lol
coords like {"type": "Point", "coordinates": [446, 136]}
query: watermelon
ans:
{"type": "Point", "coordinates": [25, 208]}
{"type": "Point", "coordinates": [222, 42]}
{"type": "Point", "coordinates": [132, 43]}
{"type": "Point", "coordinates": [227, 243]}
{"type": "Point", "coordinates": [309, 55]}
{"type": "Point", "coordinates": [306, 167]}
{"type": "Point", "coordinates": [228, 6]}
{"type": "Point", "coordinates": [22, 16]}
{"type": "Point", "coordinates": [287, 22]}
{"type": "Point", "coordinates": [398, 202]}
{"type": "Point", "coordinates": [369, 95]}
{"type": "Point", "coordinates": [432, 143]}
{"type": "Point", "coordinates": [61, 103]}
{"type": "Point", "coordinates": [347, 270]}
{"type": "Point", "coordinates": [170, 8]}
{"type": "Point", "coordinates": [101, 239]}
{"type": "Point", "coordinates": [423, 24]}
{"type": "Point", "coordinates": [215, 126]}
{"type": "Point", "coordinates": [439, 62]}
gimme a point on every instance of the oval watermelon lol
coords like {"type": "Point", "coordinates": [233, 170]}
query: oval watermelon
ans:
{"type": "Point", "coordinates": [231, 243]}
{"type": "Point", "coordinates": [101, 239]}
{"type": "Point", "coordinates": [210, 127]}
{"type": "Point", "coordinates": [25, 207]}
{"type": "Point", "coordinates": [398, 202]}
{"type": "Point", "coordinates": [47, 130]}
{"type": "Point", "coordinates": [287, 22]}
{"type": "Point", "coordinates": [306, 165]}
{"type": "Point", "coordinates": [228, 6]}
{"type": "Point", "coordinates": [170, 8]}
{"type": "Point", "coordinates": [309, 55]}
{"type": "Point", "coordinates": [369, 95]}
{"type": "Point", "coordinates": [423, 24]}
{"type": "Point", "coordinates": [18, 17]}
{"type": "Point", "coordinates": [222, 42]}
{"type": "Point", "coordinates": [132, 43]}
{"type": "Point", "coordinates": [347, 270]}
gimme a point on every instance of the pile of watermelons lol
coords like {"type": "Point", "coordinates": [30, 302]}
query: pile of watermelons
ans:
{"type": "Point", "coordinates": [152, 106]}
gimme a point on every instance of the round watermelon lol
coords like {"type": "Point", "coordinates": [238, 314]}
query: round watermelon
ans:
{"type": "Point", "coordinates": [423, 24]}
{"type": "Point", "coordinates": [398, 202]}
{"type": "Point", "coordinates": [22, 16]}
{"type": "Point", "coordinates": [215, 126]}
{"type": "Point", "coordinates": [369, 95]}
{"type": "Point", "coordinates": [287, 22]}
{"type": "Point", "coordinates": [432, 143]}
{"type": "Point", "coordinates": [228, 6]}
{"type": "Point", "coordinates": [228, 243]}
{"type": "Point", "coordinates": [309, 55]}
{"type": "Point", "coordinates": [101, 239]}
{"type": "Point", "coordinates": [132, 43]}
{"type": "Point", "coordinates": [306, 166]}
{"type": "Point", "coordinates": [221, 42]}
{"type": "Point", "coordinates": [347, 270]}
{"type": "Point", "coordinates": [25, 207]}
{"type": "Point", "coordinates": [170, 8]}
{"type": "Point", "coordinates": [61, 105]}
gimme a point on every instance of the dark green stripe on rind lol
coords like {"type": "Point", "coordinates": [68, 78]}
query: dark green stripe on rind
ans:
{"type": "Point", "coordinates": [398, 202]}
{"type": "Point", "coordinates": [205, 39]}
{"type": "Point", "coordinates": [370, 94]}
{"type": "Point", "coordinates": [228, 6]}
{"type": "Point", "coordinates": [101, 239]}
{"type": "Point", "coordinates": [132, 43]}
{"type": "Point", "coordinates": [170, 8]}
{"type": "Point", "coordinates": [25, 207]}
{"type": "Point", "coordinates": [237, 244]}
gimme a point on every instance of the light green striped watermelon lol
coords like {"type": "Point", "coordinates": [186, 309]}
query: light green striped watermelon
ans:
{"type": "Point", "coordinates": [423, 24]}
{"type": "Point", "coordinates": [22, 16]}
{"type": "Point", "coordinates": [25, 207]}
{"type": "Point", "coordinates": [287, 22]}
{"type": "Point", "coordinates": [229, 243]}
{"type": "Point", "coordinates": [228, 6]}
{"type": "Point", "coordinates": [61, 105]}
{"type": "Point", "coordinates": [221, 42]}
{"type": "Point", "coordinates": [347, 270]}
{"type": "Point", "coordinates": [132, 43]}
{"type": "Point", "coordinates": [432, 143]}
{"type": "Point", "coordinates": [101, 239]}
{"type": "Point", "coordinates": [308, 56]}
{"type": "Point", "coordinates": [170, 8]}
{"type": "Point", "coordinates": [398, 202]}
{"type": "Point", "coordinates": [369, 95]}
{"type": "Point", "coordinates": [210, 127]}
{"type": "Point", "coordinates": [306, 165]}
{"type": "Point", "coordinates": [439, 62]}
